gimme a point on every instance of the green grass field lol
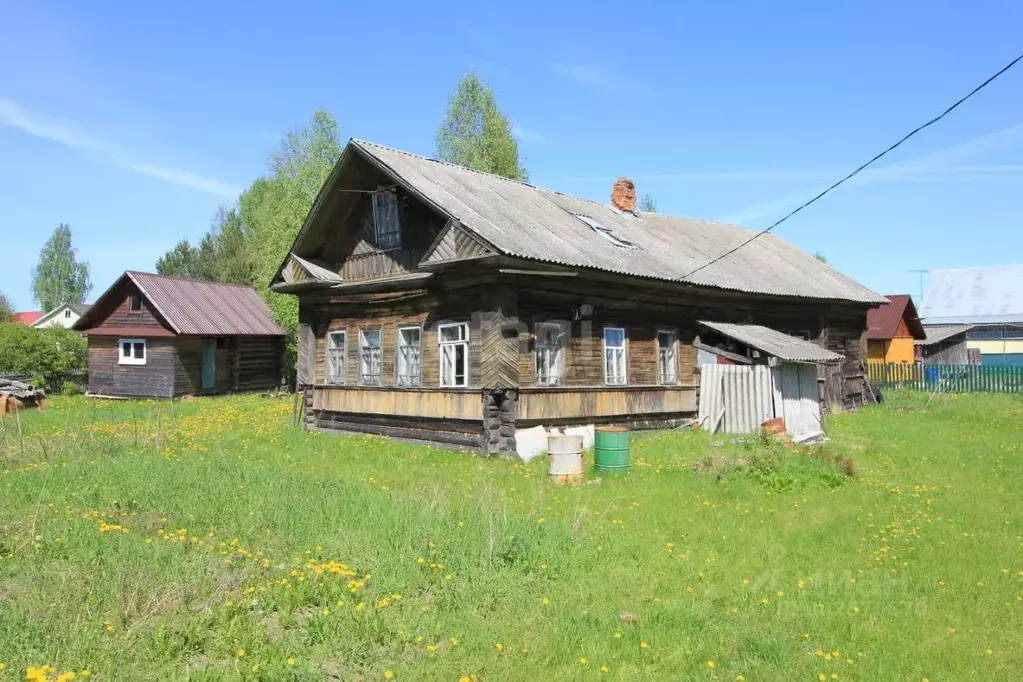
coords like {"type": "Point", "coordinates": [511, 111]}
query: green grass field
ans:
{"type": "Point", "coordinates": [210, 540]}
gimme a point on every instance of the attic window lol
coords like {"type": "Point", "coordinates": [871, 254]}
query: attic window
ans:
{"type": "Point", "coordinates": [135, 303]}
{"type": "Point", "coordinates": [385, 220]}
{"type": "Point", "coordinates": [607, 233]}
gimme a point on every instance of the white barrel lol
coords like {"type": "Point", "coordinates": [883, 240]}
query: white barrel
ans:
{"type": "Point", "coordinates": [566, 453]}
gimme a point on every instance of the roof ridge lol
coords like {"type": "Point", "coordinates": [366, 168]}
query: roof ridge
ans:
{"type": "Point", "coordinates": [188, 279]}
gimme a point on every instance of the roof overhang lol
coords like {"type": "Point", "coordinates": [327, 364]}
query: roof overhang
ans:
{"type": "Point", "coordinates": [774, 343]}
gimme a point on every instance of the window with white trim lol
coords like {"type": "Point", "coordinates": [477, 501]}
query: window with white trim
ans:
{"type": "Point", "coordinates": [337, 357]}
{"type": "Point", "coordinates": [408, 363]}
{"type": "Point", "coordinates": [386, 226]}
{"type": "Point", "coordinates": [67, 312]}
{"type": "Point", "coordinates": [614, 356]}
{"type": "Point", "coordinates": [369, 358]}
{"type": "Point", "coordinates": [131, 351]}
{"type": "Point", "coordinates": [551, 339]}
{"type": "Point", "coordinates": [454, 354]}
{"type": "Point", "coordinates": [667, 356]}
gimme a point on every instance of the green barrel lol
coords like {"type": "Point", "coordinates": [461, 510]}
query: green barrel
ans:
{"type": "Point", "coordinates": [611, 448]}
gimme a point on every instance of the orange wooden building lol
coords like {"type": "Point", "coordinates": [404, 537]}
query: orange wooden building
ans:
{"type": "Point", "coordinates": [891, 330]}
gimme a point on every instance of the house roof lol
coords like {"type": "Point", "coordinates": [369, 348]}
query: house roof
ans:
{"type": "Point", "coordinates": [939, 333]}
{"type": "Point", "coordinates": [774, 342]}
{"type": "Point", "coordinates": [883, 321]}
{"type": "Point", "coordinates": [78, 308]}
{"type": "Point", "coordinates": [27, 318]}
{"type": "Point", "coordinates": [524, 221]}
{"type": "Point", "coordinates": [986, 295]}
{"type": "Point", "coordinates": [196, 307]}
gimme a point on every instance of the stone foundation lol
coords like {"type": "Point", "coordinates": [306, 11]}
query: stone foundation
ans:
{"type": "Point", "coordinates": [499, 421]}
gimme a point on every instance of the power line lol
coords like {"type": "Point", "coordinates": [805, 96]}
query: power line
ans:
{"type": "Point", "coordinates": [857, 171]}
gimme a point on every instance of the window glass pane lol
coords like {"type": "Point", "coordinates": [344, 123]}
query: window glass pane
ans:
{"type": "Point", "coordinates": [665, 339]}
{"type": "Point", "coordinates": [126, 349]}
{"type": "Point", "coordinates": [614, 337]}
{"type": "Point", "coordinates": [371, 339]}
{"type": "Point", "coordinates": [385, 220]}
{"type": "Point", "coordinates": [136, 302]}
{"type": "Point", "coordinates": [140, 350]}
{"type": "Point", "coordinates": [409, 357]}
{"type": "Point", "coordinates": [452, 333]}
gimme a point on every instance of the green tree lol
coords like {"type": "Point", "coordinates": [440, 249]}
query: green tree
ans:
{"type": "Point", "coordinates": [58, 277]}
{"type": "Point", "coordinates": [41, 352]}
{"type": "Point", "coordinates": [223, 254]}
{"type": "Point", "coordinates": [6, 308]}
{"type": "Point", "coordinates": [476, 134]}
{"type": "Point", "coordinates": [647, 203]}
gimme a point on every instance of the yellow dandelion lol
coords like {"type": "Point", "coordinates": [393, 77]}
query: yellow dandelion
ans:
{"type": "Point", "coordinates": [604, 669]}
{"type": "Point", "coordinates": [546, 601]}
{"type": "Point", "coordinates": [584, 660]}
{"type": "Point", "coordinates": [290, 660]}
{"type": "Point", "coordinates": [240, 653]}
{"type": "Point", "coordinates": [834, 676]}
{"type": "Point", "coordinates": [711, 664]}
{"type": "Point", "coordinates": [643, 645]}
{"type": "Point", "coordinates": [822, 677]}
{"type": "Point", "coordinates": [499, 646]}
{"type": "Point", "coordinates": [740, 678]}
{"type": "Point", "coordinates": [388, 675]}
{"type": "Point", "coordinates": [618, 635]}
{"type": "Point", "coordinates": [781, 593]}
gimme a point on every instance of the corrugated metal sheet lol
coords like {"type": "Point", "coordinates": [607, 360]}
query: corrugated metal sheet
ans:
{"type": "Point", "coordinates": [527, 222]}
{"type": "Point", "coordinates": [735, 398]}
{"type": "Point", "coordinates": [797, 399]}
{"type": "Point", "coordinates": [883, 321]}
{"type": "Point", "coordinates": [938, 333]}
{"type": "Point", "coordinates": [773, 342]}
{"type": "Point", "coordinates": [989, 295]}
{"type": "Point", "coordinates": [192, 306]}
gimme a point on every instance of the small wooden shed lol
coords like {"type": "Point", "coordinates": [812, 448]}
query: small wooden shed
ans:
{"type": "Point", "coordinates": [157, 336]}
{"type": "Point", "coordinates": [751, 373]}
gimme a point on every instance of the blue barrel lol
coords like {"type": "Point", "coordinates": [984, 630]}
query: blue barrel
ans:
{"type": "Point", "coordinates": [931, 374]}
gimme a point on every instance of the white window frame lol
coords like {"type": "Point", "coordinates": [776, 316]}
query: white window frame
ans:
{"type": "Point", "coordinates": [363, 348]}
{"type": "Point", "coordinates": [330, 377]}
{"type": "Point", "coordinates": [622, 351]}
{"type": "Point", "coordinates": [392, 237]}
{"type": "Point", "coordinates": [67, 312]}
{"type": "Point", "coordinates": [408, 379]}
{"type": "Point", "coordinates": [442, 344]}
{"type": "Point", "coordinates": [555, 354]}
{"type": "Point", "coordinates": [673, 351]}
{"type": "Point", "coordinates": [130, 359]}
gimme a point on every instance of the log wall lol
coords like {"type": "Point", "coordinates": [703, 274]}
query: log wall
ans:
{"type": "Point", "coordinates": [153, 379]}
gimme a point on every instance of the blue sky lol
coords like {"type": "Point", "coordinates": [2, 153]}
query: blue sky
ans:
{"type": "Point", "coordinates": [133, 122]}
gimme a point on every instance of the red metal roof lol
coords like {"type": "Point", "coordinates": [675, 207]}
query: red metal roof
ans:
{"type": "Point", "coordinates": [883, 321]}
{"type": "Point", "coordinates": [27, 318]}
{"type": "Point", "coordinates": [197, 307]}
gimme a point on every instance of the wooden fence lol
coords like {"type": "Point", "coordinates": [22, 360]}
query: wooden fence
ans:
{"type": "Point", "coordinates": [948, 378]}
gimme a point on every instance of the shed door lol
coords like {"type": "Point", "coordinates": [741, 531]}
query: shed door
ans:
{"type": "Point", "coordinates": [797, 398]}
{"type": "Point", "coordinates": [209, 364]}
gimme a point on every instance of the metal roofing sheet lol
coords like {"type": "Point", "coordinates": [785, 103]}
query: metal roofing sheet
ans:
{"type": "Point", "coordinates": [774, 342]}
{"type": "Point", "coordinates": [883, 321]}
{"type": "Point", "coordinates": [193, 306]}
{"type": "Point", "coordinates": [528, 222]}
{"type": "Point", "coordinates": [939, 333]}
{"type": "Point", "coordinates": [987, 295]}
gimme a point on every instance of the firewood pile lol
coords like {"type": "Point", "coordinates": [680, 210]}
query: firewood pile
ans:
{"type": "Point", "coordinates": [17, 395]}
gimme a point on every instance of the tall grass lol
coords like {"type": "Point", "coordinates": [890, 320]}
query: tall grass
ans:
{"type": "Point", "coordinates": [208, 540]}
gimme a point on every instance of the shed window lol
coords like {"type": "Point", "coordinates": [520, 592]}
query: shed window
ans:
{"type": "Point", "coordinates": [67, 312]}
{"type": "Point", "coordinates": [550, 361]}
{"type": "Point", "coordinates": [337, 357]}
{"type": "Point", "coordinates": [454, 354]}
{"type": "Point", "coordinates": [385, 220]}
{"type": "Point", "coordinates": [409, 352]}
{"type": "Point", "coordinates": [614, 356]}
{"type": "Point", "coordinates": [606, 232]}
{"type": "Point", "coordinates": [369, 358]}
{"type": "Point", "coordinates": [131, 351]}
{"type": "Point", "coordinates": [135, 303]}
{"type": "Point", "coordinates": [667, 356]}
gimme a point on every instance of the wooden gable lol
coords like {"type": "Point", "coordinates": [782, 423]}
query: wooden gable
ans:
{"type": "Point", "coordinates": [455, 243]}
{"type": "Point", "coordinates": [112, 314]}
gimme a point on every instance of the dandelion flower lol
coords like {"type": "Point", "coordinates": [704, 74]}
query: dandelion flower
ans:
{"type": "Point", "coordinates": [740, 678]}
{"type": "Point", "coordinates": [388, 675]}
{"type": "Point", "coordinates": [618, 635]}
{"type": "Point", "coordinates": [546, 601]}
{"type": "Point", "coordinates": [499, 646]}
{"type": "Point", "coordinates": [711, 664]}
{"type": "Point", "coordinates": [290, 660]}
{"type": "Point", "coordinates": [584, 660]}
{"type": "Point", "coordinates": [822, 677]}
{"type": "Point", "coordinates": [240, 653]}
{"type": "Point", "coordinates": [604, 669]}
{"type": "Point", "coordinates": [643, 645]}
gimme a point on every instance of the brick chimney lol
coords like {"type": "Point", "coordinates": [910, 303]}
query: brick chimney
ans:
{"type": "Point", "coordinates": [623, 196]}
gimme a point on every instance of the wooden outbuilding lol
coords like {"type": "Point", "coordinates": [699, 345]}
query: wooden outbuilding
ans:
{"type": "Point", "coordinates": [892, 329]}
{"type": "Point", "coordinates": [448, 305]}
{"type": "Point", "coordinates": [157, 336]}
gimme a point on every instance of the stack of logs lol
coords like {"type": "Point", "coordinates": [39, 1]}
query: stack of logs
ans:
{"type": "Point", "coordinates": [17, 395]}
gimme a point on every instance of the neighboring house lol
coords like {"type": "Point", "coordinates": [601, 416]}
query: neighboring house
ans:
{"type": "Point", "coordinates": [62, 316]}
{"type": "Point", "coordinates": [944, 345]}
{"type": "Point", "coordinates": [891, 330]}
{"type": "Point", "coordinates": [27, 319]}
{"type": "Point", "coordinates": [157, 336]}
{"type": "Point", "coordinates": [989, 299]}
{"type": "Point", "coordinates": [448, 305]}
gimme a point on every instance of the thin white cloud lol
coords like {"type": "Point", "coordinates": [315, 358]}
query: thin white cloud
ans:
{"type": "Point", "coordinates": [940, 166]}
{"type": "Point", "coordinates": [526, 134]}
{"type": "Point", "coordinates": [49, 128]}
{"type": "Point", "coordinates": [586, 75]}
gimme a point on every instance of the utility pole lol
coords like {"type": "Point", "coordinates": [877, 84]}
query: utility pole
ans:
{"type": "Point", "coordinates": [921, 273]}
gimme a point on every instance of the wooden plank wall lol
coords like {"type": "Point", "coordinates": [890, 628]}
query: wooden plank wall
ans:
{"type": "Point", "coordinates": [245, 363]}
{"type": "Point", "coordinates": [546, 405]}
{"type": "Point", "coordinates": [121, 316]}
{"type": "Point", "coordinates": [429, 404]}
{"type": "Point", "coordinates": [153, 379]}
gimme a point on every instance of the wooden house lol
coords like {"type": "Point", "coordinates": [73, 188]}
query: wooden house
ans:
{"type": "Point", "coordinates": [944, 345]}
{"type": "Point", "coordinates": [891, 330]}
{"type": "Point", "coordinates": [448, 305]}
{"type": "Point", "coordinates": [161, 337]}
